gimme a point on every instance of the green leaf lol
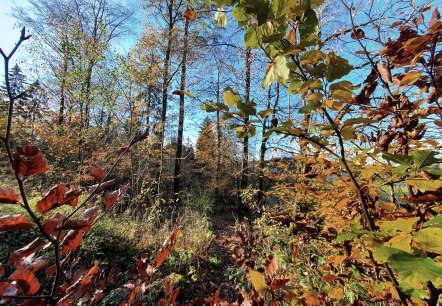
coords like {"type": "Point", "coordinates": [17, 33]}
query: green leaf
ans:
{"type": "Point", "coordinates": [312, 57]}
{"type": "Point", "coordinates": [308, 108]}
{"type": "Point", "coordinates": [337, 67]}
{"type": "Point", "coordinates": [239, 14]}
{"type": "Point", "coordinates": [220, 17]}
{"type": "Point", "coordinates": [345, 236]}
{"type": "Point", "coordinates": [279, 8]}
{"type": "Point", "coordinates": [397, 158]}
{"type": "Point", "coordinates": [248, 109]}
{"type": "Point", "coordinates": [265, 113]}
{"type": "Point", "coordinates": [342, 91]}
{"type": "Point", "coordinates": [425, 158]}
{"type": "Point", "coordinates": [429, 239]}
{"type": "Point", "coordinates": [410, 268]}
{"type": "Point", "coordinates": [252, 37]}
{"type": "Point", "coordinates": [294, 86]}
{"type": "Point", "coordinates": [208, 108]}
{"type": "Point", "coordinates": [232, 98]}
{"type": "Point", "coordinates": [251, 131]}
{"type": "Point", "coordinates": [258, 282]}
{"type": "Point", "coordinates": [309, 24]}
{"type": "Point", "coordinates": [404, 225]}
{"type": "Point", "coordinates": [311, 84]}
{"type": "Point", "coordinates": [400, 170]}
{"type": "Point", "coordinates": [348, 132]}
{"type": "Point", "coordinates": [424, 184]}
{"type": "Point", "coordinates": [276, 71]}
{"type": "Point", "coordinates": [435, 222]}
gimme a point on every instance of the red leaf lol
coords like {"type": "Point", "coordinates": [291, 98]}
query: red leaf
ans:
{"type": "Point", "coordinates": [295, 252]}
{"type": "Point", "coordinates": [174, 295]}
{"type": "Point", "coordinates": [52, 223]}
{"type": "Point", "coordinates": [8, 289]}
{"type": "Point", "coordinates": [97, 188]}
{"type": "Point", "coordinates": [72, 240]}
{"type": "Point", "coordinates": [28, 161]}
{"type": "Point", "coordinates": [110, 198]}
{"type": "Point", "coordinates": [26, 280]}
{"type": "Point", "coordinates": [51, 198]}
{"type": "Point", "coordinates": [2, 269]}
{"type": "Point", "coordinates": [31, 248]}
{"type": "Point", "coordinates": [90, 214]}
{"type": "Point", "coordinates": [162, 255]}
{"type": "Point", "coordinates": [72, 225]}
{"type": "Point", "coordinates": [14, 222]}
{"type": "Point", "coordinates": [51, 270]}
{"type": "Point", "coordinates": [56, 197]}
{"type": "Point", "coordinates": [8, 195]}
{"type": "Point", "coordinates": [167, 286]}
{"type": "Point", "coordinates": [97, 172]}
{"type": "Point", "coordinates": [163, 302]}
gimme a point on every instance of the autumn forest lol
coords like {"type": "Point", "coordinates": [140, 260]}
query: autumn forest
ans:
{"type": "Point", "coordinates": [221, 152]}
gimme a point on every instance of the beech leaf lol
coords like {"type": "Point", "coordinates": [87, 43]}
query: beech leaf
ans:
{"type": "Point", "coordinates": [14, 222]}
{"type": "Point", "coordinates": [258, 282]}
{"type": "Point", "coordinates": [28, 161]}
{"type": "Point", "coordinates": [8, 195]}
{"type": "Point", "coordinates": [27, 250]}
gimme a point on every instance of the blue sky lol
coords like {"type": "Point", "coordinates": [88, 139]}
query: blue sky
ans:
{"type": "Point", "coordinates": [8, 34]}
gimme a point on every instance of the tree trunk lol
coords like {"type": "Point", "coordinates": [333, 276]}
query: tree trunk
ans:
{"type": "Point", "coordinates": [218, 141]}
{"type": "Point", "coordinates": [179, 146]}
{"type": "Point", "coordinates": [63, 90]}
{"type": "Point", "coordinates": [245, 144]}
{"type": "Point", "coordinates": [164, 95]}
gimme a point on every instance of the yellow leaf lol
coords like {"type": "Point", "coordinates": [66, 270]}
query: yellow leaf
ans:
{"type": "Point", "coordinates": [291, 36]}
{"type": "Point", "coordinates": [348, 132]}
{"type": "Point", "coordinates": [333, 105]}
{"type": "Point", "coordinates": [337, 260]}
{"type": "Point", "coordinates": [336, 294]}
{"type": "Point", "coordinates": [368, 172]}
{"type": "Point", "coordinates": [411, 78]}
{"type": "Point", "coordinates": [258, 282]}
{"type": "Point", "coordinates": [401, 241]}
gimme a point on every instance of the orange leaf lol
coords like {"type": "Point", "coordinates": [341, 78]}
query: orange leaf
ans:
{"type": "Point", "coordinates": [167, 286]}
{"type": "Point", "coordinates": [28, 161]}
{"type": "Point", "coordinates": [26, 280]}
{"type": "Point", "coordinates": [162, 255]}
{"type": "Point", "coordinates": [8, 195]}
{"type": "Point", "coordinates": [174, 295]}
{"type": "Point", "coordinates": [90, 214]}
{"type": "Point", "coordinates": [336, 294]}
{"type": "Point", "coordinates": [72, 225]}
{"type": "Point", "coordinates": [97, 172]}
{"type": "Point", "coordinates": [271, 265]}
{"type": "Point", "coordinates": [31, 248]}
{"type": "Point", "coordinates": [56, 197]}
{"type": "Point", "coordinates": [72, 240]}
{"type": "Point", "coordinates": [52, 222]}
{"type": "Point", "coordinates": [295, 252]}
{"type": "Point", "coordinates": [87, 278]}
{"type": "Point", "coordinates": [190, 14]}
{"type": "Point", "coordinates": [337, 260]}
{"type": "Point", "coordinates": [14, 222]}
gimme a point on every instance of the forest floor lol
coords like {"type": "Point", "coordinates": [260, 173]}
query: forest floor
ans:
{"type": "Point", "coordinates": [216, 276]}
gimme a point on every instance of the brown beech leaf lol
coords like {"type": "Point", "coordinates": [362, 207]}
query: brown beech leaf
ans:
{"type": "Point", "coordinates": [174, 295]}
{"type": "Point", "coordinates": [167, 286]}
{"type": "Point", "coordinates": [97, 172]}
{"type": "Point", "coordinates": [434, 17]}
{"type": "Point", "coordinates": [39, 263]}
{"type": "Point", "coordinates": [51, 198]}
{"type": "Point", "coordinates": [358, 34]}
{"type": "Point", "coordinates": [110, 198]}
{"type": "Point", "coordinates": [8, 289]}
{"type": "Point", "coordinates": [56, 197]}
{"type": "Point", "coordinates": [72, 240]}
{"type": "Point", "coordinates": [97, 188]}
{"type": "Point", "coordinates": [8, 195]}
{"type": "Point", "coordinates": [271, 265]}
{"type": "Point", "coordinates": [28, 161]}
{"type": "Point", "coordinates": [385, 72]}
{"type": "Point", "coordinates": [87, 278]}
{"type": "Point", "coordinates": [162, 255]}
{"type": "Point", "coordinates": [72, 225]}
{"type": "Point", "coordinates": [190, 14]}
{"type": "Point", "coordinates": [14, 223]}
{"type": "Point", "coordinates": [425, 197]}
{"type": "Point", "coordinates": [25, 251]}
{"type": "Point", "coordinates": [295, 252]}
{"type": "Point", "coordinates": [26, 280]}
{"type": "Point", "coordinates": [90, 214]}
{"type": "Point", "coordinates": [52, 222]}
